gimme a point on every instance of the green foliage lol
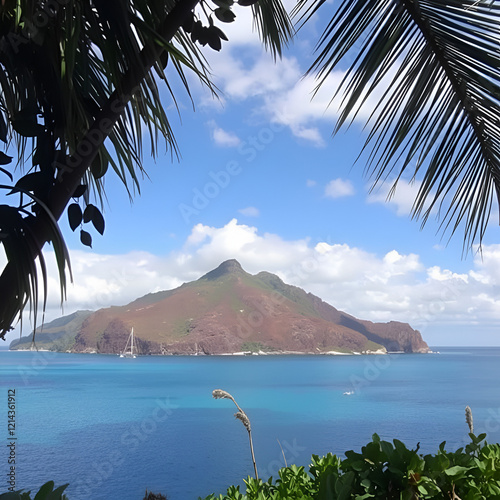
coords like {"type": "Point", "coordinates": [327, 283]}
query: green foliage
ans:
{"type": "Point", "coordinates": [182, 327]}
{"type": "Point", "coordinates": [385, 471]}
{"type": "Point", "coordinates": [79, 90]}
{"type": "Point", "coordinates": [154, 496]}
{"type": "Point", "coordinates": [372, 346]}
{"type": "Point", "coordinates": [46, 492]}
{"type": "Point", "coordinates": [381, 470]}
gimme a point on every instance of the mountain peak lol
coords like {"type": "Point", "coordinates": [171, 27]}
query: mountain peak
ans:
{"type": "Point", "coordinates": [231, 266]}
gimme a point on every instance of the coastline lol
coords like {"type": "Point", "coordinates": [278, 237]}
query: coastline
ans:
{"type": "Point", "coordinates": [378, 352]}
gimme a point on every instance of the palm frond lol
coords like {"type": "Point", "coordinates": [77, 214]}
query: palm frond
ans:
{"type": "Point", "coordinates": [274, 25]}
{"type": "Point", "coordinates": [91, 71]}
{"type": "Point", "coordinates": [19, 237]}
{"type": "Point", "coordinates": [433, 69]}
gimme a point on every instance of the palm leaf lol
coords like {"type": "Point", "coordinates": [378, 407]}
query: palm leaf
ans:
{"type": "Point", "coordinates": [273, 24]}
{"type": "Point", "coordinates": [20, 241]}
{"type": "Point", "coordinates": [92, 72]}
{"type": "Point", "coordinates": [433, 68]}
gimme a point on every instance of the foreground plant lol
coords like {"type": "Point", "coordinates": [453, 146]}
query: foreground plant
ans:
{"type": "Point", "coordinates": [154, 496]}
{"type": "Point", "coordinates": [384, 471]}
{"type": "Point", "coordinates": [80, 92]}
{"type": "Point", "coordinates": [46, 492]}
{"type": "Point", "coordinates": [242, 417]}
{"type": "Point", "coordinates": [468, 418]}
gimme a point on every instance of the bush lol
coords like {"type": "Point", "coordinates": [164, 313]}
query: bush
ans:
{"type": "Point", "coordinates": [46, 492]}
{"type": "Point", "coordinates": [385, 471]}
{"type": "Point", "coordinates": [382, 470]}
{"type": "Point", "coordinates": [154, 496]}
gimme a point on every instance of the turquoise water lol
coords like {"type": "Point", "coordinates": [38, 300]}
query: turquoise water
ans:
{"type": "Point", "coordinates": [113, 427]}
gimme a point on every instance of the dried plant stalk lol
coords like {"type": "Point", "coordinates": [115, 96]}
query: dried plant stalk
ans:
{"type": "Point", "coordinates": [242, 417]}
{"type": "Point", "coordinates": [468, 418]}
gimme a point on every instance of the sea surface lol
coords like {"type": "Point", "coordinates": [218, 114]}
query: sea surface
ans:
{"type": "Point", "coordinates": [112, 427]}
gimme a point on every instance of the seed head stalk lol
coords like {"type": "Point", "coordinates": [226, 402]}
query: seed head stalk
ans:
{"type": "Point", "coordinates": [468, 418]}
{"type": "Point", "coordinates": [242, 417]}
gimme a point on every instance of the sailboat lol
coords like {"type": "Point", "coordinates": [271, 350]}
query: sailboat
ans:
{"type": "Point", "coordinates": [129, 351]}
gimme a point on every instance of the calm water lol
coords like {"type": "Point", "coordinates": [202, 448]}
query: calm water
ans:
{"type": "Point", "coordinates": [113, 427]}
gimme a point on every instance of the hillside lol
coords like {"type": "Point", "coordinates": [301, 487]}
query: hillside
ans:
{"type": "Point", "coordinates": [229, 310]}
{"type": "Point", "coordinates": [58, 335]}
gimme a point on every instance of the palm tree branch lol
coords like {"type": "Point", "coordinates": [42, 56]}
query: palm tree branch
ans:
{"type": "Point", "coordinates": [105, 66]}
{"type": "Point", "coordinates": [438, 66]}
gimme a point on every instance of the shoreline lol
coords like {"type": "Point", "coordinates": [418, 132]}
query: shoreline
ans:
{"type": "Point", "coordinates": [378, 352]}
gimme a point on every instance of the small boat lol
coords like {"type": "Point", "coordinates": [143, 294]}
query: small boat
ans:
{"type": "Point", "coordinates": [129, 351]}
{"type": "Point", "coordinates": [348, 393]}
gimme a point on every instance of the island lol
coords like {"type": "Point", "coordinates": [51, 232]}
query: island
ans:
{"type": "Point", "coordinates": [226, 311]}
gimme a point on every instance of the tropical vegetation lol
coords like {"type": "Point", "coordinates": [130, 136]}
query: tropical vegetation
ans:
{"type": "Point", "coordinates": [385, 471]}
{"type": "Point", "coordinates": [79, 89]}
{"type": "Point", "coordinates": [46, 492]}
{"type": "Point", "coordinates": [433, 70]}
{"type": "Point", "coordinates": [380, 470]}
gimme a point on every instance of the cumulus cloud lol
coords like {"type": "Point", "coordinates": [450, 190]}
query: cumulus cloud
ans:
{"type": "Point", "coordinates": [257, 75]}
{"type": "Point", "coordinates": [282, 94]}
{"type": "Point", "coordinates": [278, 91]}
{"type": "Point", "coordinates": [223, 138]}
{"type": "Point", "coordinates": [281, 91]}
{"type": "Point", "coordinates": [339, 188]}
{"type": "Point", "coordinates": [394, 286]}
{"type": "Point", "coordinates": [400, 199]}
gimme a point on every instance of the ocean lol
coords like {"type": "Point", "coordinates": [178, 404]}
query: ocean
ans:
{"type": "Point", "coordinates": [114, 427]}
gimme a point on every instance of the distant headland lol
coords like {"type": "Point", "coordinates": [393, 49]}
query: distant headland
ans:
{"type": "Point", "coordinates": [226, 311]}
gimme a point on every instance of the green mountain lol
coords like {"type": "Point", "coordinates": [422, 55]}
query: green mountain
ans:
{"type": "Point", "coordinates": [229, 310]}
{"type": "Point", "coordinates": [58, 335]}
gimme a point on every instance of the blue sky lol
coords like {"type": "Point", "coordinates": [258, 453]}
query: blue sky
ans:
{"type": "Point", "coordinates": [262, 180]}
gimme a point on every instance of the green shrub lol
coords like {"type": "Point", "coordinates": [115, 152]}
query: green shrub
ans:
{"type": "Point", "coordinates": [154, 496]}
{"type": "Point", "coordinates": [385, 471]}
{"type": "Point", "coordinates": [46, 492]}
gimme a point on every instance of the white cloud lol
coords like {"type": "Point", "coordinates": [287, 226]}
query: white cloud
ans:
{"type": "Point", "coordinates": [258, 75]}
{"type": "Point", "coordinates": [338, 188]}
{"type": "Point", "coordinates": [401, 199]}
{"type": "Point", "coordinates": [280, 91]}
{"type": "Point", "coordinates": [394, 286]}
{"type": "Point", "coordinates": [438, 274]}
{"type": "Point", "coordinates": [223, 138]}
{"type": "Point", "coordinates": [249, 211]}
{"type": "Point", "coordinates": [487, 270]}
